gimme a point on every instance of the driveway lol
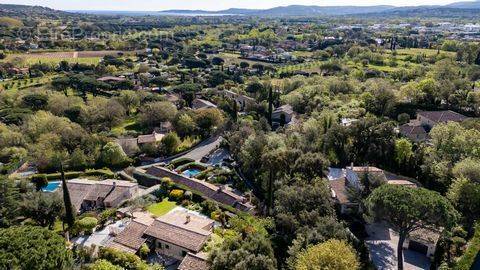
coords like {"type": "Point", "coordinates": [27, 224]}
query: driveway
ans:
{"type": "Point", "coordinates": [382, 243]}
{"type": "Point", "coordinates": [203, 149]}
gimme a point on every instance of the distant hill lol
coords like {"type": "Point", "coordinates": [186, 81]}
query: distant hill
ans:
{"type": "Point", "coordinates": [23, 11]}
{"type": "Point", "coordinates": [293, 10]}
{"type": "Point", "coordinates": [465, 5]}
{"type": "Point", "coordinates": [300, 10]}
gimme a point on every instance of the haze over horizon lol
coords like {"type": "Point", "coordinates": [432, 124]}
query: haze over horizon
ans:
{"type": "Point", "coordinates": [210, 5]}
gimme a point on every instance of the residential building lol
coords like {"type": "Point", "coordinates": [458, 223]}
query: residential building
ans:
{"type": "Point", "coordinates": [211, 191]}
{"type": "Point", "coordinates": [89, 194]}
{"type": "Point", "coordinates": [283, 114]}
{"type": "Point", "coordinates": [199, 103]}
{"type": "Point", "coordinates": [178, 233]}
{"type": "Point", "coordinates": [431, 118]}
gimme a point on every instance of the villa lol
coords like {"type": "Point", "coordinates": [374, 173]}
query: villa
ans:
{"type": "Point", "coordinates": [178, 235]}
{"type": "Point", "coordinates": [88, 194]}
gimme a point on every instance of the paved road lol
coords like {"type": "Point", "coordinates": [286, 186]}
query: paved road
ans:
{"type": "Point", "coordinates": [382, 243]}
{"type": "Point", "coordinates": [204, 148]}
{"type": "Point", "coordinates": [199, 151]}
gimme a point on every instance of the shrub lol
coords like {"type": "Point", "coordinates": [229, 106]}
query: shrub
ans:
{"type": "Point", "coordinates": [176, 194]}
{"type": "Point", "coordinates": [106, 215]}
{"type": "Point", "coordinates": [123, 259]}
{"type": "Point", "coordinates": [105, 173]}
{"type": "Point", "coordinates": [144, 250]}
{"type": "Point", "coordinates": [181, 161]}
{"type": "Point", "coordinates": [87, 224]}
{"type": "Point", "coordinates": [40, 181]}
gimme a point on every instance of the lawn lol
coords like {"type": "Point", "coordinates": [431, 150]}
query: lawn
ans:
{"type": "Point", "coordinates": [161, 208]}
{"type": "Point", "coordinates": [128, 124]}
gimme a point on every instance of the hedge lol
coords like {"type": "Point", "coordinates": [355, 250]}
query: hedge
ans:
{"type": "Point", "coordinates": [143, 178]}
{"type": "Point", "coordinates": [468, 259]}
{"type": "Point", "coordinates": [105, 173]}
{"type": "Point", "coordinates": [191, 165]}
{"type": "Point", "coordinates": [181, 161]}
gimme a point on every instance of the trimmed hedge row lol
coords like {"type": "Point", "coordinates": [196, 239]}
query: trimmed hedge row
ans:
{"type": "Point", "coordinates": [191, 165]}
{"type": "Point", "coordinates": [468, 259]}
{"type": "Point", "coordinates": [105, 173]}
{"type": "Point", "coordinates": [180, 161]}
{"type": "Point", "coordinates": [148, 180]}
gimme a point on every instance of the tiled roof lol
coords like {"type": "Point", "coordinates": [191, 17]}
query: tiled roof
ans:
{"type": "Point", "coordinates": [193, 262]}
{"type": "Point", "coordinates": [339, 190]}
{"type": "Point", "coordinates": [150, 138]}
{"type": "Point", "coordinates": [130, 239]}
{"type": "Point", "coordinates": [211, 191]}
{"type": "Point", "coordinates": [442, 116]}
{"type": "Point", "coordinates": [182, 237]}
{"type": "Point", "coordinates": [407, 129]}
{"type": "Point", "coordinates": [78, 190]}
{"type": "Point", "coordinates": [284, 109]}
{"type": "Point", "coordinates": [109, 190]}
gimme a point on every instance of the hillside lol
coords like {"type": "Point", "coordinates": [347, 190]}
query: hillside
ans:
{"type": "Point", "coordinates": [23, 11]}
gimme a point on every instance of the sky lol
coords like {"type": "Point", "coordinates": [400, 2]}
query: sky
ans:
{"type": "Point", "coordinates": [154, 5]}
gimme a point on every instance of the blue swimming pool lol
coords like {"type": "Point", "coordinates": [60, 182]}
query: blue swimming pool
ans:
{"type": "Point", "coordinates": [191, 172]}
{"type": "Point", "coordinates": [51, 186]}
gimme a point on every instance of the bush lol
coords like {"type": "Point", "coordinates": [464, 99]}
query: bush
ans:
{"type": "Point", "coordinates": [144, 250]}
{"type": "Point", "coordinates": [104, 173]}
{"type": "Point", "coordinates": [176, 194]}
{"type": "Point", "coordinates": [123, 259]}
{"type": "Point", "coordinates": [181, 161]}
{"type": "Point", "coordinates": [86, 224]}
{"type": "Point", "coordinates": [40, 181]}
{"type": "Point", "coordinates": [106, 215]}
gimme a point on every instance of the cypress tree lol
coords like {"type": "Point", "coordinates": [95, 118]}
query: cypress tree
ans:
{"type": "Point", "coordinates": [69, 211]}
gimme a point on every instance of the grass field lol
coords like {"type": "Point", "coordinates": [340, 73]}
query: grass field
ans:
{"type": "Point", "coordinates": [161, 208]}
{"type": "Point", "coordinates": [128, 124]}
{"type": "Point", "coordinates": [15, 85]}
{"type": "Point", "coordinates": [82, 57]}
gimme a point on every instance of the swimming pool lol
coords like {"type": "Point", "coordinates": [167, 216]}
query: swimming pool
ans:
{"type": "Point", "coordinates": [191, 172]}
{"type": "Point", "coordinates": [51, 186]}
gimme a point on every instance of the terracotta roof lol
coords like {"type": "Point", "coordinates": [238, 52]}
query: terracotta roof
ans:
{"type": "Point", "coordinates": [407, 129]}
{"type": "Point", "coordinates": [78, 190]}
{"type": "Point", "coordinates": [284, 109]}
{"type": "Point", "coordinates": [425, 235]}
{"type": "Point", "coordinates": [339, 190]}
{"type": "Point", "coordinates": [442, 116]}
{"type": "Point", "coordinates": [194, 222]}
{"type": "Point", "coordinates": [194, 262]}
{"type": "Point", "coordinates": [150, 138]}
{"type": "Point", "coordinates": [130, 239]}
{"type": "Point", "coordinates": [182, 237]}
{"type": "Point", "coordinates": [108, 190]}
{"type": "Point", "coordinates": [199, 103]}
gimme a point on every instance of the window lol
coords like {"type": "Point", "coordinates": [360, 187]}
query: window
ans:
{"type": "Point", "coordinates": [167, 246]}
{"type": "Point", "coordinates": [184, 253]}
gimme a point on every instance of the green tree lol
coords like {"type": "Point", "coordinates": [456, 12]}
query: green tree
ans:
{"type": "Point", "coordinates": [332, 254]}
{"type": "Point", "coordinates": [112, 155]}
{"type": "Point", "coordinates": [42, 207]}
{"type": "Point", "coordinates": [103, 265]}
{"type": "Point", "coordinates": [28, 247]}
{"type": "Point", "coordinates": [170, 143]}
{"type": "Point", "coordinates": [185, 125]}
{"type": "Point", "coordinates": [407, 209]}
{"type": "Point", "coordinates": [403, 152]}
{"type": "Point", "coordinates": [155, 113]}
{"type": "Point", "coordinates": [67, 201]}
{"type": "Point", "coordinates": [9, 201]}
{"type": "Point", "coordinates": [465, 196]}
